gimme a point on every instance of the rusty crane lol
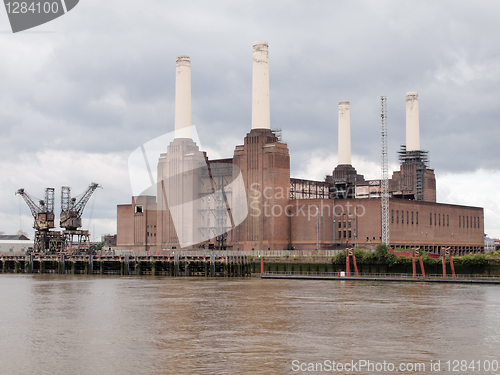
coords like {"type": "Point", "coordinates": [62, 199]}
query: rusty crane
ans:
{"type": "Point", "coordinates": [46, 240]}
{"type": "Point", "coordinates": [77, 240]}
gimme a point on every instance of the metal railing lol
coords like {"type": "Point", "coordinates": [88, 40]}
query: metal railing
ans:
{"type": "Point", "coordinates": [384, 275]}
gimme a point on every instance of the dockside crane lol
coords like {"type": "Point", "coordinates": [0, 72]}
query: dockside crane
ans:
{"type": "Point", "coordinates": [71, 218]}
{"type": "Point", "coordinates": [43, 214]}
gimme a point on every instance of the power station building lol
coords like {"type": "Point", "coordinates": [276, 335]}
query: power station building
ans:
{"type": "Point", "coordinates": [250, 202]}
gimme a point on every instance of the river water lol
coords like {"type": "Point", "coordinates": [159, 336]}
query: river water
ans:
{"type": "Point", "coordinates": [62, 324]}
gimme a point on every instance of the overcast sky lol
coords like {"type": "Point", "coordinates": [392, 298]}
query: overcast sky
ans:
{"type": "Point", "coordinates": [79, 94]}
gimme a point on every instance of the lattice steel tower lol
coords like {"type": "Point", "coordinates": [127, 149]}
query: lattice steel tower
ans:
{"type": "Point", "coordinates": [385, 173]}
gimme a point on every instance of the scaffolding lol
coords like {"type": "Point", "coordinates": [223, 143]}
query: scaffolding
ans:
{"type": "Point", "coordinates": [308, 189]}
{"type": "Point", "coordinates": [420, 160]}
{"type": "Point", "coordinates": [216, 218]}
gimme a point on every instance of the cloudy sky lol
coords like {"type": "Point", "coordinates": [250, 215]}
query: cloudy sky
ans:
{"type": "Point", "coordinates": [79, 94]}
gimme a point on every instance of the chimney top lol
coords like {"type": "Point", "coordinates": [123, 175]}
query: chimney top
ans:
{"type": "Point", "coordinates": [183, 60]}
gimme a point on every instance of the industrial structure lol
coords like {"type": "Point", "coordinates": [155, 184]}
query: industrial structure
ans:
{"type": "Point", "coordinates": [197, 202]}
{"type": "Point", "coordinates": [72, 239]}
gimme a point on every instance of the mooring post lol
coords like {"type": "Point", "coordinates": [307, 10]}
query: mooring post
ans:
{"type": "Point", "coordinates": [176, 265]}
{"type": "Point", "coordinates": [127, 266]}
{"type": "Point", "coordinates": [91, 265]}
{"type": "Point", "coordinates": [41, 266]}
{"type": "Point", "coordinates": [153, 266]}
{"type": "Point", "coordinates": [212, 265]}
{"type": "Point", "coordinates": [138, 267]}
{"type": "Point", "coordinates": [17, 266]}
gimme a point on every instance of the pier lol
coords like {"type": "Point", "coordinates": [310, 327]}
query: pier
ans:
{"type": "Point", "coordinates": [203, 265]}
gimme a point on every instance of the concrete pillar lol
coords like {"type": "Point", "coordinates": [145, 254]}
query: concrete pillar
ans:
{"type": "Point", "coordinates": [412, 122]}
{"type": "Point", "coordinates": [344, 133]}
{"type": "Point", "coordinates": [183, 97]}
{"type": "Point", "coordinates": [261, 110]}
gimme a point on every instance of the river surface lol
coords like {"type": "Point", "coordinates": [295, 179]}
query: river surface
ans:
{"type": "Point", "coordinates": [62, 324]}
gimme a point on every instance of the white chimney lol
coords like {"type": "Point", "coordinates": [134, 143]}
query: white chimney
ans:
{"type": "Point", "coordinates": [183, 97]}
{"type": "Point", "coordinates": [412, 122]}
{"type": "Point", "coordinates": [344, 133]}
{"type": "Point", "coordinates": [261, 111]}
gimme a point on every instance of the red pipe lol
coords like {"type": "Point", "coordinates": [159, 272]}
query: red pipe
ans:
{"type": "Point", "coordinates": [347, 264]}
{"type": "Point", "coordinates": [261, 266]}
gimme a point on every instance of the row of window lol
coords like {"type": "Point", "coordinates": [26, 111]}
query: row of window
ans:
{"type": "Point", "coordinates": [347, 234]}
{"type": "Point", "coordinates": [464, 221]}
{"type": "Point", "coordinates": [413, 217]}
{"type": "Point", "coordinates": [434, 219]}
{"type": "Point", "coordinates": [437, 220]}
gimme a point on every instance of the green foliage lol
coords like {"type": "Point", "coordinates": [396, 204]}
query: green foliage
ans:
{"type": "Point", "coordinates": [383, 254]}
{"type": "Point", "coordinates": [471, 260]}
{"type": "Point", "coordinates": [339, 258]}
{"type": "Point", "coordinates": [99, 246]}
{"type": "Point", "coordinates": [402, 260]}
{"type": "Point", "coordinates": [428, 261]}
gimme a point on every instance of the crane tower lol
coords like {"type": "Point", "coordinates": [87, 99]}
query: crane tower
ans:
{"type": "Point", "coordinates": [385, 173]}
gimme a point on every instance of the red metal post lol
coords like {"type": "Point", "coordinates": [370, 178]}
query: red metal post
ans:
{"type": "Point", "coordinates": [422, 266]}
{"type": "Point", "coordinates": [347, 264]}
{"type": "Point", "coordinates": [261, 266]}
{"type": "Point", "coordinates": [444, 266]}
{"type": "Point", "coordinates": [355, 265]}
{"type": "Point", "coordinates": [452, 267]}
{"type": "Point", "coordinates": [414, 267]}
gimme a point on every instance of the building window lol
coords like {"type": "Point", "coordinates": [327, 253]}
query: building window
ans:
{"type": "Point", "coordinates": [417, 218]}
{"type": "Point", "coordinates": [439, 216]}
{"type": "Point", "coordinates": [412, 217]}
{"type": "Point", "coordinates": [459, 221]}
{"type": "Point", "coordinates": [340, 234]}
{"type": "Point", "coordinates": [345, 225]}
{"type": "Point", "coordinates": [447, 220]}
{"type": "Point", "coordinates": [431, 218]}
{"type": "Point", "coordinates": [349, 224]}
{"type": "Point", "coordinates": [474, 222]}
{"type": "Point", "coordinates": [392, 215]}
{"type": "Point", "coordinates": [349, 234]}
{"type": "Point", "coordinates": [467, 222]}
{"type": "Point", "coordinates": [138, 209]}
{"type": "Point", "coordinates": [340, 224]}
{"type": "Point", "coordinates": [407, 217]}
{"type": "Point", "coordinates": [435, 216]}
{"type": "Point", "coordinates": [463, 221]}
{"type": "Point", "coordinates": [397, 217]}
{"type": "Point", "coordinates": [344, 234]}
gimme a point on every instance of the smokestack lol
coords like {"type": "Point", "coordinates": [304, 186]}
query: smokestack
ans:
{"type": "Point", "coordinates": [344, 133]}
{"type": "Point", "coordinates": [412, 122]}
{"type": "Point", "coordinates": [261, 111]}
{"type": "Point", "coordinates": [183, 97]}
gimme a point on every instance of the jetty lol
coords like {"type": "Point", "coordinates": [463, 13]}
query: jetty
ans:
{"type": "Point", "coordinates": [178, 264]}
